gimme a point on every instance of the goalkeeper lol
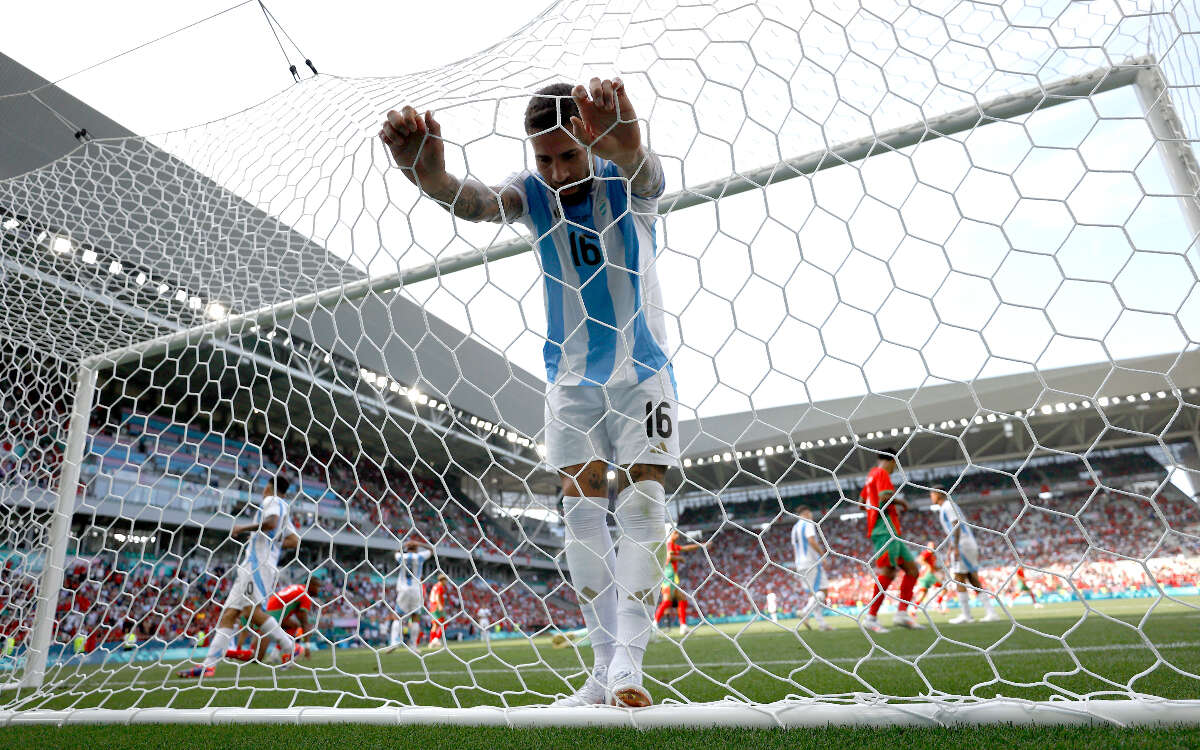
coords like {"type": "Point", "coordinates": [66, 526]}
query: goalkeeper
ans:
{"type": "Point", "coordinates": [611, 398]}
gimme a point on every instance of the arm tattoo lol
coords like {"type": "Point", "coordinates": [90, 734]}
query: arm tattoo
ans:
{"type": "Point", "coordinates": [646, 177]}
{"type": "Point", "coordinates": [471, 200]}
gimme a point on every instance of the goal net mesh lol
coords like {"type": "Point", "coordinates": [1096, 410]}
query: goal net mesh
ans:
{"type": "Point", "coordinates": [961, 231]}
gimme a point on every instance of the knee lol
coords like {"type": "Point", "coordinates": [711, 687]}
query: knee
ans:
{"type": "Point", "coordinates": [643, 473]}
{"type": "Point", "coordinates": [584, 480]}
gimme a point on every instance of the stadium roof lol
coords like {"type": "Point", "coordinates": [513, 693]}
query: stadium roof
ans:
{"type": "Point", "coordinates": [129, 203]}
{"type": "Point", "coordinates": [108, 240]}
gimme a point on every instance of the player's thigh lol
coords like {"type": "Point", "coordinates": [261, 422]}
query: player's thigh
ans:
{"type": "Point", "coordinates": [968, 556]}
{"type": "Point", "coordinates": [643, 422]}
{"type": "Point", "coordinates": [408, 601]}
{"type": "Point", "coordinates": [243, 592]}
{"type": "Point", "coordinates": [264, 577]}
{"type": "Point", "coordinates": [575, 432]}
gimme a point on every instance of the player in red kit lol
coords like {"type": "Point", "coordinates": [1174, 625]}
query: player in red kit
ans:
{"type": "Point", "coordinates": [437, 610]}
{"type": "Point", "coordinates": [1023, 588]}
{"type": "Point", "coordinates": [290, 606]}
{"type": "Point", "coordinates": [930, 578]}
{"type": "Point", "coordinates": [891, 553]}
{"type": "Point", "coordinates": [671, 592]}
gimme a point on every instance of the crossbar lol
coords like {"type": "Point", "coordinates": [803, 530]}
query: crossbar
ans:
{"type": "Point", "coordinates": [968, 118]}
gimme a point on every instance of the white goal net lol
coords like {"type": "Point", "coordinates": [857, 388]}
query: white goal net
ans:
{"type": "Point", "coordinates": [960, 235]}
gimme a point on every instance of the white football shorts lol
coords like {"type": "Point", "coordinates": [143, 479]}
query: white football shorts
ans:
{"type": "Point", "coordinates": [409, 600]}
{"type": "Point", "coordinates": [814, 577]}
{"type": "Point", "coordinates": [251, 586]}
{"type": "Point", "coordinates": [967, 559]}
{"type": "Point", "coordinates": [624, 425]}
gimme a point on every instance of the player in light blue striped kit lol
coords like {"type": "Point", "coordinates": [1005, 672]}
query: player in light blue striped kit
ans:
{"type": "Point", "coordinates": [592, 205]}
{"type": "Point", "coordinates": [410, 594]}
{"type": "Point", "coordinates": [809, 553]}
{"type": "Point", "coordinates": [964, 553]}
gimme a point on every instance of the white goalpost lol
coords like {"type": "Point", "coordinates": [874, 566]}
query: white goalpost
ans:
{"type": "Point", "coordinates": [335, 368]}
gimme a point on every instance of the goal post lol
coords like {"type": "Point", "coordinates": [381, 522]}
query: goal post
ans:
{"type": "Point", "coordinates": [354, 500]}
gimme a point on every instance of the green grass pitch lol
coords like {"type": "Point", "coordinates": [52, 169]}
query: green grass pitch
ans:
{"type": "Point", "coordinates": [1063, 650]}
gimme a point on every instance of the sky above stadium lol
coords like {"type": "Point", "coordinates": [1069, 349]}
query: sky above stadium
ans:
{"type": "Point", "coordinates": [875, 277]}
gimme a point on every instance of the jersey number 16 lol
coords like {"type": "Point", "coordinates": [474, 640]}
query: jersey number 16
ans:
{"type": "Point", "coordinates": [583, 251]}
{"type": "Point", "coordinates": [658, 420]}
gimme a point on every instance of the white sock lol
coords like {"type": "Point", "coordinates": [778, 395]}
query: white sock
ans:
{"type": "Point", "coordinates": [986, 601]}
{"type": "Point", "coordinates": [640, 511]}
{"type": "Point", "coordinates": [273, 630]}
{"type": "Point", "coordinates": [414, 633]}
{"type": "Point", "coordinates": [397, 634]}
{"type": "Point", "coordinates": [218, 647]}
{"type": "Point", "coordinates": [591, 559]}
{"type": "Point", "coordinates": [818, 605]}
{"type": "Point", "coordinates": [964, 601]}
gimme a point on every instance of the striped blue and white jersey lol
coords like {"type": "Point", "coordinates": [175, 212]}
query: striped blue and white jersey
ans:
{"type": "Point", "coordinates": [804, 533]}
{"type": "Point", "coordinates": [604, 310]}
{"type": "Point", "coordinates": [264, 546]}
{"type": "Point", "coordinates": [412, 567]}
{"type": "Point", "coordinates": [950, 516]}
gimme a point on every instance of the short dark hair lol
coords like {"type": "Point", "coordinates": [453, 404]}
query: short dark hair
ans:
{"type": "Point", "coordinates": [280, 484]}
{"type": "Point", "coordinates": [549, 107]}
{"type": "Point", "coordinates": [886, 454]}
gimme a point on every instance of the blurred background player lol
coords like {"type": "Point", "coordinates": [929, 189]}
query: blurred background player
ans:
{"type": "Point", "coordinates": [249, 643]}
{"type": "Point", "coordinates": [772, 606]}
{"type": "Point", "coordinates": [931, 576]}
{"type": "Point", "coordinates": [410, 594]}
{"type": "Point", "coordinates": [1023, 588]}
{"type": "Point", "coordinates": [610, 395]}
{"type": "Point", "coordinates": [290, 606]}
{"type": "Point", "coordinates": [891, 553]}
{"type": "Point", "coordinates": [809, 552]}
{"type": "Point", "coordinates": [965, 555]}
{"type": "Point", "coordinates": [437, 611]}
{"type": "Point", "coordinates": [670, 591]}
{"type": "Point", "coordinates": [255, 579]}
{"type": "Point", "coordinates": [484, 620]}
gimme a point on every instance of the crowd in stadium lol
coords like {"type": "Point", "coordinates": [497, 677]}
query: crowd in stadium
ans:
{"type": "Point", "coordinates": [1067, 541]}
{"type": "Point", "coordinates": [362, 496]}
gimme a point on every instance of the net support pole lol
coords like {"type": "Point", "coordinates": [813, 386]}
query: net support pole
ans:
{"type": "Point", "coordinates": [38, 650]}
{"type": "Point", "coordinates": [1174, 145]}
{"type": "Point", "coordinates": [966, 119]}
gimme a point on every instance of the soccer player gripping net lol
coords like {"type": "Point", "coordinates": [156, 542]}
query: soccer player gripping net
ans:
{"type": "Point", "coordinates": [611, 398]}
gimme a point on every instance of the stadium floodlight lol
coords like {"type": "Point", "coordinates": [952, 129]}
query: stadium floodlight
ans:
{"type": "Point", "coordinates": [796, 138]}
{"type": "Point", "coordinates": [62, 245]}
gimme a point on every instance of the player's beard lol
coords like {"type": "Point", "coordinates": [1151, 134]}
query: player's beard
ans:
{"type": "Point", "coordinates": [578, 193]}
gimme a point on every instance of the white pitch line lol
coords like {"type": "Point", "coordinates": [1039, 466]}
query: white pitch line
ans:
{"type": "Point", "coordinates": [801, 662]}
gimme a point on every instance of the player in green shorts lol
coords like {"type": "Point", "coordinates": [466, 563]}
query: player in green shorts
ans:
{"type": "Point", "coordinates": [883, 529]}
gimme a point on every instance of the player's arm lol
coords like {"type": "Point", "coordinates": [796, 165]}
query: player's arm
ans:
{"type": "Point", "coordinates": [269, 523]}
{"type": "Point", "coordinates": [609, 126]}
{"type": "Point", "coordinates": [415, 141]}
{"type": "Point", "coordinates": [817, 544]}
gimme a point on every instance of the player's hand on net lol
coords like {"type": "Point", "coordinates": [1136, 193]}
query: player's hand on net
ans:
{"type": "Point", "coordinates": [415, 141]}
{"type": "Point", "coordinates": [607, 122]}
